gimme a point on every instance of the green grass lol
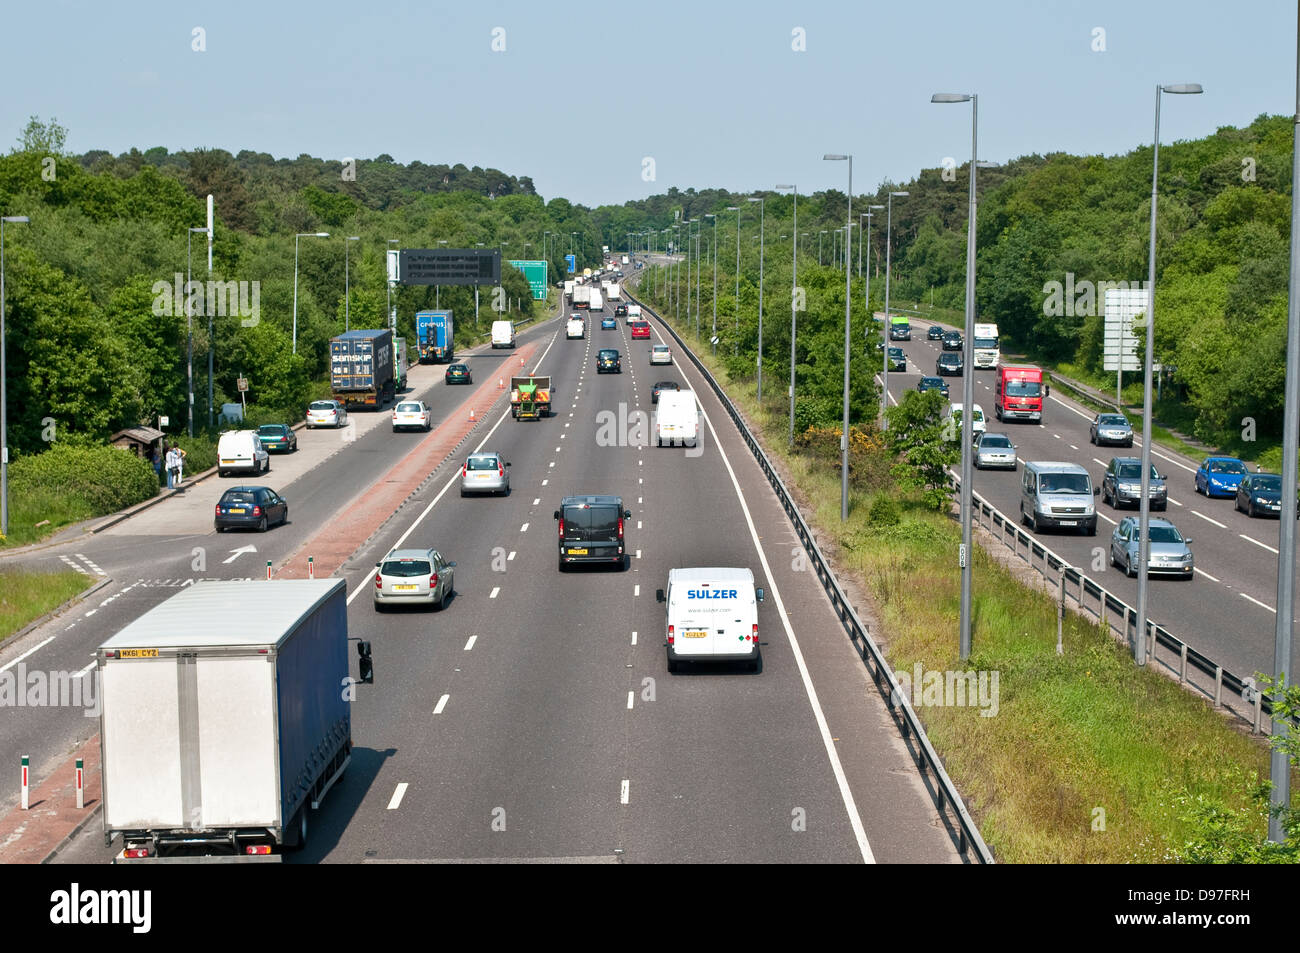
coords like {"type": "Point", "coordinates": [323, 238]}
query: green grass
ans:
{"type": "Point", "coordinates": [29, 510]}
{"type": "Point", "coordinates": [26, 596]}
{"type": "Point", "coordinates": [1074, 733]}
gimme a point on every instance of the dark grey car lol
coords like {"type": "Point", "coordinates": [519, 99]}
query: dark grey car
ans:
{"type": "Point", "coordinates": [592, 530]}
{"type": "Point", "coordinates": [1122, 484]}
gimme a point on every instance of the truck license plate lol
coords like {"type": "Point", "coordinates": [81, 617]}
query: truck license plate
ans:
{"type": "Point", "coordinates": [137, 653]}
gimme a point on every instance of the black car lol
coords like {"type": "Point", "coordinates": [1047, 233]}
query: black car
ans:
{"type": "Point", "coordinates": [660, 387]}
{"type": "Point", "coordinates": [608, 361]}
{"type": "Point", "coordinates": [933, 383]}
{"type": "Point", "coordinates": [952, 341]}
{"type": "Point", "coordinates": [459, 374]}
{"type": "Point", "coordinates": [254, 507]}
{"type": "Point", "coordinates": [591, 530]}
{"type": "Point", "coordinates": [949, 362]}
{"type": "Point", "coordinates": [277, 438]}
{"type": "Point", "coordinates": [1260, 494]}
{"type": "Point", "coordinates": [620, 311]}
{"type": "Point", "coordinates": [935, 333]}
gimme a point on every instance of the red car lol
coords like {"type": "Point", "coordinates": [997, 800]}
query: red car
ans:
{"type": "Point", "coordinates": [640, 329]}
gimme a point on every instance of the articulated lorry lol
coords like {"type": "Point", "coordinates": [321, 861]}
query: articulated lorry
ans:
{"type": "Point", "coordinates": [530, 397]}
{"type": "Point", "coordinates": [361, 368]}
{"type": "Point", "coordinates": [434, 331]}
{"type": "Point", "coordinates": [569, 285]}
{"type": "Point", "coordinates": [224, 720]}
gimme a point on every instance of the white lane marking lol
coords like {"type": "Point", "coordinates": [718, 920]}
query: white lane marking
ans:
{"type": "Point", "coordinates": [636, 590]}
{"type": "Point", "coordinates": [630, 696]}
{"type": "Point", "coordinates": [85, 670]}
{"type": "Point", "coordinates": [638, 524]}
{"type": "Point", "coordinates": [1205, 574]}
{"type": "Point", "coordinates": [624, 791]}
{"type": "Point", "coordinates": [524, 528]}
{"type": "Point", "coordinates": [495, 590]}
{"type": "Point", "coordinates": [1108, 519]}
{"type": "Point", "coordinates": [470, 644]}
{"type": "Point", "coordinates": [511, 556]}
{"type": "Point", "coordinates": [557, 449]}
{"type": "Point", "coordinates": [1173, 501]}
{"type": "Point", "coordinates": [1263, 605]}
{"type": "Point", "coordinates": [634, 638]}
{"type": "Point", "coordinates": [551, 464]}
{"type": "Point", "coordinates": [638, 499]}
{"type": "Point", "coordinates": [537, 500]}
{"type": "Point", "coordinates": [1057, 436]}
{"type": "Point", "coordinates": [1258, 543]}
{"type": "Point", "coordinates": [544, 482]}
{"type": "Point", "coordinates": [442, 703]}
{"type": "Point", "coordinates": [1208, 520]}
{"type": "Point", "coordinates": [396, 800]}
{"type": "Point", "coordinates": [850, 806]}
{"type": "Point", "coordinates": [1098, 462]}
{"type": "Point", "coordinates": [27, 653]}
{"type": "Point", "coordinates": [91, 612]}
{"type": "Point", "coordinates": [1073, 447]}
{"type": "Point", "coordinates": [638, 554]}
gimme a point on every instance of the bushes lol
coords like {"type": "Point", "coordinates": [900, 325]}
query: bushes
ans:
{"type": "Point", "coordinates": [200, 453]}
{"type": "Point", "coordinates": [96, 480]}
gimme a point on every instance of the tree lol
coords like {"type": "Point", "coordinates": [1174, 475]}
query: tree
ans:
{"type": "Point", "coordinates": [42, 137]}
{"type": "Point", "coordinates": [923, 445]}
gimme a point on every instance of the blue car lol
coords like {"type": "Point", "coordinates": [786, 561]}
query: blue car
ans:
{"type": "Point", "coordinates": [1220, 476]}
{"type": "Point", "coordinates": [608, 324]}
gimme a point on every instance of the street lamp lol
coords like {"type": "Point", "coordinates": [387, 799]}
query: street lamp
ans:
{"type": "Point", "coordinates": [295, 279]}
{"type": "Point", "coordinates": [848, 298]}
{"type": "Point", "coordinates": [392, 318]}
{"type": "Point", "coordinates": [713, 337]}
{"type": "Point", "coordinates": [189, 320]}
{"type": "Point", "coordinates": [819, 246]}
{"type": "Point", "coordinates": [794, 290]}
{"type": "Point", "coordinates": [866, 288]}
{"type": "Point", "coordinates": [761, 214]}
{"type": "Point", "coordinates": [4, 406]}
{"type": "Point", "coordinates": [884, 332]}
{"type": "Point", "coordinates": [437, 289]}
{"type": "Point", "coordinates": [735, 347]}
{"type": "Point", "coordinates": [347, 281]}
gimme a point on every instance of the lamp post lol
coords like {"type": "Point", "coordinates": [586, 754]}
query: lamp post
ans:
{"type": "Point", "coordinates": [477, 245]}
{"type": "Point", "coordinates": [347, 281]}
{"type": "Point", "coordinates": [699, 240]}
{"type": "Point", "coordinates": [295, 279]}
{"type": "Point", "coordinates": [713, 336]}
{"type": "Point", "coordinates": [735, 346]}
{"type": "Point", "coordinates": [819, 246]}
{"type": "Point", "coordinates": [189, 320]}
{"type": "Point", "coordinates": [1144, 517]}
{"type": "Point", "coordinates": [392, 318]}
{"type": "Point", "coordinates": [848, 298]}
{"type": "Point", "coordinates": [4, 405]}
{"type": "Point", "coordinates": [866, 287]}
{"type": "Point", "coordinates": [884, 332]}
{"type": "Point", "coordinates": [761, 215]}
{"type": "Point", "coordinates": [794, 290]}
{"type": "Point", "coordinates": [437, 289]}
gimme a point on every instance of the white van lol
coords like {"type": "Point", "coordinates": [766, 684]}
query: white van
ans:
{"type": "Point", "coordinates": [977, 422]}
{"type": "Point", "coordinates": [503, 334]}
{"type": "Point", "coordinates": [241, 451]}
{"type": "Point", "coordinates": [1058, 495]}
{"type": "Point", "coordinates": [712, 616]}
{"type": "Point", "coordinates": [574, 329]}
{"type": "Point", "coordinates": [676, 419]}
{"type": "Point", "coordinates": [633, 313]}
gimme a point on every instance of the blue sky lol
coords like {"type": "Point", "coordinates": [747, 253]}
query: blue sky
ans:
{"type": "Point", "coordinates": [714, 93]}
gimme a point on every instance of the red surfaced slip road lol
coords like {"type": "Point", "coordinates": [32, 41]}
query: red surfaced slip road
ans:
{"type": "Point", "coordinates": [343, 534]}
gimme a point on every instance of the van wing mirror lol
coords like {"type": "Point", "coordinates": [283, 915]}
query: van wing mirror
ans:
{"type": "Point", "coordinates": [627, 514]}
{"type": "Point", "coordinates": [659, 595]}
{"type": "Point", "coordinates": [1096, 491]}
{"type": "Point", "coordinates": [555, 515]}
{"type": "Point", "coordinates": [759, 593]}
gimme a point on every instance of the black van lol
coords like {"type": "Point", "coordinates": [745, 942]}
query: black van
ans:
{"type": "Point", "coordinates": [592, 530]}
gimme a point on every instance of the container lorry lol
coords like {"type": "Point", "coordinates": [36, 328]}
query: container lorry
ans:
{"type": "Point", "coordinates": [435, 331]}
{"type": "Point", "coordinates": [224, 719]}
{"type": "Point", "coordinates": [361, 368]}
{"type": "Point", "coordinates": [400, 363]}
{"type": "Point", "coordinates": [984, 343]}
{"type": "Point", "coordinates": [530, 397]}
{"type": "Point", "coordinates": [613, 291]}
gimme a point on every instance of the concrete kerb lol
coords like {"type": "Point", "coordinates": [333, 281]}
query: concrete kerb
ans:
{"type": "Point", "coordinates": [81, 825]}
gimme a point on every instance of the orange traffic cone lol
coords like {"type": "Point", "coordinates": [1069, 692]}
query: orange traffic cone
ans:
{"type": "Point", "coordinates": [501, 384]}
{"type": "Point", "coordinates": [471, 414]}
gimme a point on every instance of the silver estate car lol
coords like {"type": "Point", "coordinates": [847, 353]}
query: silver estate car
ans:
{"type": "Point", "coordinates": [485, 473]}
{"type": "Point", "coordinates": [413, 577]}
{"type": "Point", "coordinates": [994, 450]}
{"type": "Point", "coordinates": [1170, 552]}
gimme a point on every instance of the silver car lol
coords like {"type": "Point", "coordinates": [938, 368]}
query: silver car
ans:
{"type": "Point", "coordinates": [994, 450]}
{"type": "Point", "coordinates": [660, 354]}
{"type": "Point", "coordinates": [1113, 429]}
{"type": "Point", "coordinates": [413, 577]}
{"type": "Point", "coordinates": [1170, 552]}
{"type": "Point", "coordinates": [485, 473]}
{"type": "Point", "coordinates": [326, 413]}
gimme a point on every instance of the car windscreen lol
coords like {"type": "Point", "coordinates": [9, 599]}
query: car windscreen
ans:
{"type": "Point", "coordinates": [1133, 471]}
{"type": "Point", "coordinates": [1227, 466]}
{"type": "Point", "coordinates": [1076, 483]}
{"type": "Point", "coordinates": [321, 405]}
{"type": "Point", "coordinates": [1164, 534]}
{"type": "Point", "coordinates": [1023, 388]}
{"type": "Point", "coordinates": [236, 497]}
{"type": "Point", "coordinates": [406, 567]}
{"type": "Point", "coordinates": [482, 463]}
{"type": "Point", "coordinates": [408, 408]}
{"type": "Point", "coordinates": [272, 430]}
{"type": "Point", "coordinates": [609, 353]}
{"type": "Point", "coordinates": [1113, 420]}
{"type": "Point", "coordinates": [1272, 484]}
{"type": "Point", "coordinates": [595, 523]}
{"type": "Point", "coordinates": [999, 442]}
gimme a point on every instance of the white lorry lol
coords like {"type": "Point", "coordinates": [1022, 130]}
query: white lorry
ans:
{"type": "Point", "coordinates": [712, 616]}
{"type": "Point", "coordinates": [984, 343]}
{"type": "Point", "coordinates": [569, 285]}
{"type": "Point", "coordinates": [225, 718]}
{"type": "Point", "coordinates": [676, 419]}
{"type": "Point", "coordinates": [597, 303]}
{"type": "Point", "coordinates": [613, 291]}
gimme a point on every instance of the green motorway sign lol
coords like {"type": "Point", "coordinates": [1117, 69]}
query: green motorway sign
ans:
{"type": "Point", "coordinates": [535, 272]}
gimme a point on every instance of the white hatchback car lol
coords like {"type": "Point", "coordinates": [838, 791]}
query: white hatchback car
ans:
{"type": "Point", "coordinates": [412, 414]}
{"type": "Point", "coordinates": [413, 576]}
{"type": "Point", "coordinates": [326, 413]}
{"type": "Point", "coordinates": [660, 354]}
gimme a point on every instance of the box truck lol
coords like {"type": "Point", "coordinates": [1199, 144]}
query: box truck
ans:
{"type": "Point", "coordinates": [400, 363]}
{"type": "Point", "coordinates": [224, 719]}
{"type": "Point", "coordinates": [597, 303]}
{"type": "Point", "coordinates": [1019, 394]}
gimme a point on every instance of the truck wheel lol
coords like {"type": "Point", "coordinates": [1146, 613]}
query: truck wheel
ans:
{"type": "Point", "coordinates": [300, 829]}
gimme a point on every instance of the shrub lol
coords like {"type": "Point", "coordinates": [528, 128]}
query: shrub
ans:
{"type": "Point", "coordinates": [200, 453]}
{"type": "Point", "coordinates": [99, 479]}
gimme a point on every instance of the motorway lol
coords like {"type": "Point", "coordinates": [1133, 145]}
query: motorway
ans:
{"type": "Point", "coordinates": [1226, 611]}
{"type": "Point", "coordinates": [534, 718]}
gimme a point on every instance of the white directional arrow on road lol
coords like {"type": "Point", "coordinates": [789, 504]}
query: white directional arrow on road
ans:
{"type": "Point", "coordinates": [236, 553]}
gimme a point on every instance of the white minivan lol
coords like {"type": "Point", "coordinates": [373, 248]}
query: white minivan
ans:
{"type": "Point", "coordinates": [575, 329]}
{"type": "Point", "coordinates": [241, 451]}
{"type": "Point", "coordinates": [712, 616]}
{"type": "Point", "coordinates": [503, 334]}
{"type": "Point", "coordinates": [676, 419]}
{"type": "Point", "coordinates": [977, 422]}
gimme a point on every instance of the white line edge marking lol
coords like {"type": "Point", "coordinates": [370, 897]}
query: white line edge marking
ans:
{"type": "Point", "coordinates": [33, 649]}
{"type": "Point", "coordinates": [398, 794]}
{"type": "Point", "coordinates": [442, 703]}
{"type": "Point", "coordinates": [859, 832]}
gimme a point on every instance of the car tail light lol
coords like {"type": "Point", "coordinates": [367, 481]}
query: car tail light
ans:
{"type": "Point", "coordinates": [754, 634]}
{"type": "Point", "coordinates": [218, 509]}
{"type": "Point", "coordinates": [464, 469]}
{"type": "Point", "coordinates": [379, 580]}
{"type": "Point", "coordinates": [670, 635]}
{"type": "Point", "coordinates": [257, 511]}
{"type": "Point", "coordinates": [501, 469]}
{"type": "Point", "coordinates": [433, 581]}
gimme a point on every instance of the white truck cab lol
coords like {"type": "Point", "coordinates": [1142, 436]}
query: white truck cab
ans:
{"type": "Point", "coordinates": [712, 616]}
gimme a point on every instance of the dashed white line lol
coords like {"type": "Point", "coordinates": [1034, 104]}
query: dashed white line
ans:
{"type": "Point", "coordinates": [636, 590]}
{"type": "Point", "coordinates": [1208, 520]}
{"type": "Point", "coordinates": [1206, 575]}
{"type": "Point", "coordinates": [624, 791]}
{"type": "Point", "coordinates": [634, 638]}
{"type": "Point", "coordinates": [1263, 605]}
{"type": "Point", "coordinates": [1073, 447]}
{"type": "Point", "coordinates": [1249, 540]}
{"type": "Point", "coordinates": [442, 703]}
{"type": "Point", "coordinates": [544, 482]}
{"type": "Point", "coordinates": [511, 556]}
{"type": "Point", "coordinates": [470, 644]}
{"type": "Point", "coordinates": [495, 590]}
{"type": "Point", "coordinates": [1173, 501]}
{"type": "Point", "coordinates": [638, 554]}
{"type": "Point", "coordinates": [396, 799]}
{"type": "Point", "coordinates": [524, 528]}
{"type": "Point", "coordinates": [638, 524]}
{"type": "Point", "coordinates": [630, 696]}
{"type": "Point", "coordinates": [1108, 519]}
{"type": "Point", "coordinates": [537, 500]}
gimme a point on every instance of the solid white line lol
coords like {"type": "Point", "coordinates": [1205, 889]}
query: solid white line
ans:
{"type": "Point", "coordinates": [397, 796]}
{"type": "Point", "coordinates": [1205, 574]}
{"type": "Point", "coordinates": [27, 653]}
{"type": "Point", "coordinates": [630, 696]}
{"type": "Point", "coordinates": [850, 806]}
{"type": "Point", "coordinates": [1258, 543]}
{"type": "Point", "coordinates": [442, 703]}
{"type": "Point", "coordinates": [1208, 520]}
{"type": "Point", "coordinates": [470, 644]}
{"type": "Point", "coordinates": [624, 791]}
{"type": "Point", "coordinates": [495, 590]}
{"type": "Point", "coordinates": [1258, 603]}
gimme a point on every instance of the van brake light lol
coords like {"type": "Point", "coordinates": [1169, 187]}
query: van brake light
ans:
{"type": "Point", "coordinates": [754, 634]}
{"type": "Point", "coordinates": [561, 527]}
{"type": "Point", "coordinates": [620, 527]}
{"type": "Point", "coordinates": [670, 635]}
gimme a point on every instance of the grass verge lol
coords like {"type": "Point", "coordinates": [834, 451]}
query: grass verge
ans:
{"type": "Point", "coordinates": [1087, 758]}
{"type": "Point", "coordinates": [26, 596]}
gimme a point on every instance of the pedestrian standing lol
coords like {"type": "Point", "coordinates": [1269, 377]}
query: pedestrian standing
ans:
{"type": "Point", "coordinates": [169, 462]}
{"type": "Point", "coordinates": [180, 466]}
{"type": "Point", "coordinates": [155, 458]}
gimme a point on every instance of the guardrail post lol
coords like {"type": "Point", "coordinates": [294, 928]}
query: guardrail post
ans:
{"type": "Point", "coordinates": [1105, 622]}
{"type": "Point", "coordinates": [1182, 663]}
{"type": "Point", "coordinates": [1218, 686]}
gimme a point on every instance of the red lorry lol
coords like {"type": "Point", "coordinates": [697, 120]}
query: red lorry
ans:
{"type": "Point", "coordinates": [1020, 393]}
